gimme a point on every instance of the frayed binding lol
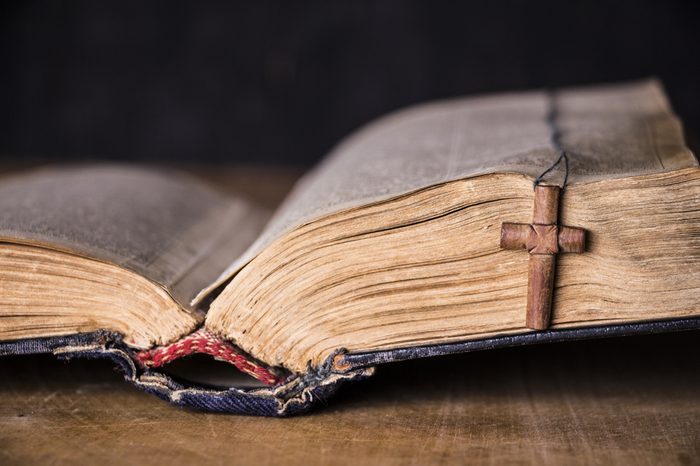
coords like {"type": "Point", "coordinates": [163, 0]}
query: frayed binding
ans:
{"type": "Point", "coordinates": [205, 342]}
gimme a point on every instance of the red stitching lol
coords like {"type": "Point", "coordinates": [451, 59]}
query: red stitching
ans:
{"type": "Point", "coordinates": [203, 341]}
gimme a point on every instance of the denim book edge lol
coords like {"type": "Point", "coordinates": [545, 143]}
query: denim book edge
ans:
{"type": "Point", "coordinates": [297, 395]}
{"type": "Point", "coordinates": [300, 393]}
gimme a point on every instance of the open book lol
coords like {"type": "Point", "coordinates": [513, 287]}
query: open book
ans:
{"type": "Point", "coordinates": [402, 243]}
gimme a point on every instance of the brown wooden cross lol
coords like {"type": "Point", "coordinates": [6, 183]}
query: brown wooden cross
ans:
{"type": "Point", "coordinates": [543, 239]}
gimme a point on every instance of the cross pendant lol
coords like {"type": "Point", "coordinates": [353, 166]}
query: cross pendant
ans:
{"type": "Point", "coordinates": [543, 239]}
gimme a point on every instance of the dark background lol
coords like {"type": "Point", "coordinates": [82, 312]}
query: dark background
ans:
{"type": "Point", "coordinates": [263, 82]}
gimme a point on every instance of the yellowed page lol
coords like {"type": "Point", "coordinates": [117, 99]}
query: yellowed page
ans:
{"type": "Point", "coordinates": [609, 132]}
{"type": "Point", "coordinates": [170, 228]}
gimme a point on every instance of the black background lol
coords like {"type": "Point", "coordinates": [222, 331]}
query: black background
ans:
{"type": "Point", "coordinates": [263, 82]}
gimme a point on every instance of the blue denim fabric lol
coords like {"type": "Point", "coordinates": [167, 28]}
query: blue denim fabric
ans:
{"type": "Point", "coordinates": [48, 345]}
{"type": "Point", "coordinates": [357, 360]}
{"type": "Point", "coordinates": [299, 394]}
{"type": "Point", "coordinates": [296, 395]}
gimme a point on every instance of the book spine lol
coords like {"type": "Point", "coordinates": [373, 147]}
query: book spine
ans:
{"type": "Point", "coordinates": [295, 395]}
{"type": "Point", "coordinates": [202, 341]}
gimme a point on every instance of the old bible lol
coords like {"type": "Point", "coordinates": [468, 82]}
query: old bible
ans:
{"type": "Point", "coordinates": [451, 226]}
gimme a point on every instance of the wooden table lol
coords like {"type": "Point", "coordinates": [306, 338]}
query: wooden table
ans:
{"type": "Point", "coordinates": [632, 400]}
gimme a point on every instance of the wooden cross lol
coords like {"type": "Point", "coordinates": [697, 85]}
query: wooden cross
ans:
{"type": "Point", "coordinates": [543, 239]}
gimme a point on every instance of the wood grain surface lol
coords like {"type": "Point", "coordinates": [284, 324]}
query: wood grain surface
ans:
{"type": "Point", "coordinates": [632, 400]}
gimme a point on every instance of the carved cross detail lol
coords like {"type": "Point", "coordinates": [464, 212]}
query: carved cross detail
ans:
{"type": "Point", "coordinates": [543, 239]}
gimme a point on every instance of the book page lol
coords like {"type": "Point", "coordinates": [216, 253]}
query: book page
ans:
{"type": "Point", "coordinates": [166, 226]}
{"type": "Point", "coordinates": [608, 132]}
